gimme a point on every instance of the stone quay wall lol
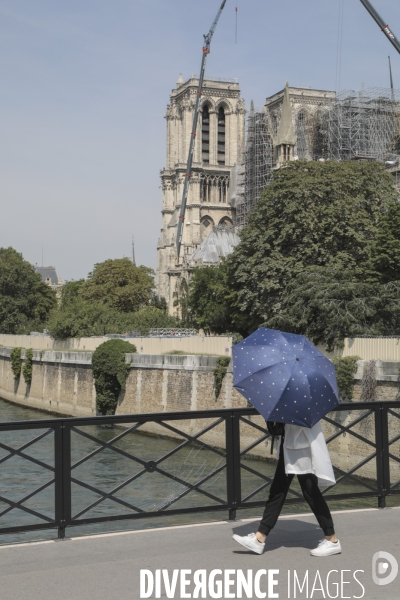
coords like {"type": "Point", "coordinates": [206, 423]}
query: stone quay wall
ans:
{"type": "Point", "coordinates": [62, 383]}
{"type": "Point", "coordinates": [220, 345]}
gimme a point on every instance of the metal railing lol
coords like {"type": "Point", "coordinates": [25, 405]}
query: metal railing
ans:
{"type": "Point", "coordinates": [57, 473]}
{"type": "Point", "coordinates": [172, 332]}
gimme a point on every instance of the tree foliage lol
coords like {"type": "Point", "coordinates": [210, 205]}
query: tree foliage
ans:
{"type": "Point", "coordinates": [70, 292]}
{"type": "Point", "coordinates": [385, 250]}
{"type": "Point", "coordinates": [220, 372]}
{"type": "Point", "coordinates": [159, 302]}
{"type": "Point", "coordinates": [328, 304]}
{"type": "Point", "coordinates": [346, 368]}
{"type": "Point", "coordinates": [181, 301]}
{"type": "Point", "coordinates": [110, 371]}
{"type": "Point", "coordinates": [16, 362]}
{"type": "Point", "coordinates": [320, 256]}
{"type": "Point", "coordinates": [208, 299]}
{"type": "Point", "coordinates": [120, 285]}
{"type": "Point", "coordinates": [83, 319]}
{"type": "Point", "coordinates": [80, 318]}
{"type": "Point", "coordinates": [27, 369]}
{"type": "Point", "coordinates": [312, 215]}
{"type": "Point", "coordinates": [25, 301]}
{"type": "Point", "coordinates": [149, 317]}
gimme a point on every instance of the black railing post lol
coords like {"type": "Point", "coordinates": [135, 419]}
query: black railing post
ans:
{"type": "Point", "coordinates": [233, 463]}
{"type": "Point", "coordinates": [385, 450]}
{"type": "Point", "coordinates": [382, 454]}
{"type": "Point", "coordinates": [62, 443]}
{"type": "Point", "coordinates": [58, 476]}
{"type": "Point", "coordinates": [67, 474]}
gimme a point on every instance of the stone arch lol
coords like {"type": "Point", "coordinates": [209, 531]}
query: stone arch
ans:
{"type": "Point", "coordinates": [206, 226]}
{"type": "Point", "coordinates": [207, 102]}
{"type": "Point", "coordinates": [225, 223]}
{"type": "Point", "coordinates": [225, 104]}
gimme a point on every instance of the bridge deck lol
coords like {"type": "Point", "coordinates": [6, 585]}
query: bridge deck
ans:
{"type": "Point", "coordinates": [107, 567]}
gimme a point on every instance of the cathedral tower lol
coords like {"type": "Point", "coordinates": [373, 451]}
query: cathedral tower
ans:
{"type": "Point", "coordinates": [219, 144]}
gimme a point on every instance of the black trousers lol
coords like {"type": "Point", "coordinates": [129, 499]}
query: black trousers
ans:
{"type": "Point", "coordinates": [311, 492]}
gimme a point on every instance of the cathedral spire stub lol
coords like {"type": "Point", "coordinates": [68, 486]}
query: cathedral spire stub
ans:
{"type": "Point", "coordinates": [285, 138]}
{"type": "Point", "coordinates": [286, 134]}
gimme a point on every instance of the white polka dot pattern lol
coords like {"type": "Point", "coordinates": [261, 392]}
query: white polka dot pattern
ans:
{"type": "Point", "coordinates": [285, 377]}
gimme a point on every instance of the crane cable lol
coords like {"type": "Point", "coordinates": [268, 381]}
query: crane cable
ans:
{"type": "Point", "coordinates": [236, 25]}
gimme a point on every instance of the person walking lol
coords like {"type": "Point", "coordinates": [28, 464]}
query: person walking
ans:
{"type": "Point", "coordinates": [302, 451]}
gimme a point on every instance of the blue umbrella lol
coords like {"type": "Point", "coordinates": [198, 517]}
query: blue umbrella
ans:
{"type": "Point", "coordinates": [285, 377]}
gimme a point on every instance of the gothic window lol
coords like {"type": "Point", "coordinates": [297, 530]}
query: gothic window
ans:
{"type": "Point", "coordinates": [222, 185]}
{"type": "Point", "coordinates": [206, 189]}
{"type": "Point", "coordinates": [302, 145]}
{"type": "Point", "coordinates": [205, 135]}
{"type": "Point", "coordinates": [221, 136]}
{"type": "Point", "coordinates": [275, 123]}
{"type": "Point", "coordinates": [203, 189]}
{"type": "Point", "coordinates": [225, 223]}
{"type": "Point", "coordinates": [206, 226]}
{"type": "Point", "coordinates": [214, 189]}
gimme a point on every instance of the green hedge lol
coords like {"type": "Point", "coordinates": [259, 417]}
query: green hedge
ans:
{"type": "Point", "coordinates": [16, 362]}
{"type": "Point", "coordinates": [28, 366]}
{"type": "Point", "coordinates": [346, 368]}
{"type": "Point", "coordinates": [220, 372]}
{"type": "Point", "coordinates": [110, 372]}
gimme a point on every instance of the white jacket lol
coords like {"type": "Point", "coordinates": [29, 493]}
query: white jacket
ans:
{"type": "Point", "coordinates": [305, 451]}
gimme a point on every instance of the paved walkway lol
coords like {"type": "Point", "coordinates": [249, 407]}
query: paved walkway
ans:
{"type": "Point", "coordinates": [107, 567]}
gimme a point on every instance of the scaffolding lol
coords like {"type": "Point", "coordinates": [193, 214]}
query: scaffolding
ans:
{"type": "Point", "coordinates": [364, 125]}
{"type": "Point", "coordinates": [361, 125]}
{"type": "Point", "coordinates": [256, 168]}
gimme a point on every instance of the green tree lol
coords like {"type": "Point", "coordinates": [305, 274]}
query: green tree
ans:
{"type": "Point", "coordinates": [70, 293]}
{"type": "Point", "coordinates": [110, 371]}
{"type": "Point", "coordinates": [328, 304]}
{"type": "Point", "coordinates": [149, 317]}
{"type": "Point", "coordinates": [82, 319]}
{"type": "Point", "coordinates": [385, 250]}
{"type": "Point", "coordinates": [159, 302]}
{"type": "Point", "coordinates": [78, 317]}
{"type": "Point", "coordinates": [25, 301]}
{"type": "Point", "coordinates": [119, 284]}
{"type": "Point", "coordinates": [312, 215]}
{"type": "Point", "coordinates": [181, 301]}
{"type": "Point", "coordinates": [208, 299]}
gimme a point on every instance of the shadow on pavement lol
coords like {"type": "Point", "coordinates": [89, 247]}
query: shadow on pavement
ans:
{"type": "Point", "coordinates": [288, 533]}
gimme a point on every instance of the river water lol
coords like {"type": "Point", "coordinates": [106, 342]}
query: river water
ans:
{"type": "Point", "coordinates": [107, 469]}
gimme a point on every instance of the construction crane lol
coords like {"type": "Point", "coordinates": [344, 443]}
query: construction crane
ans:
{"type": "Point", "coordinates": [384, 26]}
{"type": "Point", "coordinates": [206, 51]}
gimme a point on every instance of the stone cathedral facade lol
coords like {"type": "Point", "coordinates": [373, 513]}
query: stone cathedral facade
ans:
{"type": "Point", "coordinates": [219, 146]}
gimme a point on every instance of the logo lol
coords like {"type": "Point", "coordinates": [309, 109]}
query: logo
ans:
{"type": "Point", "coordinates": [380, 565]}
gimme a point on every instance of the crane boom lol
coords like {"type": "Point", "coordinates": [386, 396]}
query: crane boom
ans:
{"type": "Point", "coordinates": [206, 50]}
{"type": "Point", "coordinates": [384, 27]}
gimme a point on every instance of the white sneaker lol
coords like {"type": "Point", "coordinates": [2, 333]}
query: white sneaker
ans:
{"type": "Point", "coordinates": [326, 548]}
{"type": "Point", "coordinates": [250, 542]}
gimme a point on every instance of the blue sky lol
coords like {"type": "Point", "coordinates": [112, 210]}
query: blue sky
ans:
{"type": "Point", "coordinates": [84, 88]}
